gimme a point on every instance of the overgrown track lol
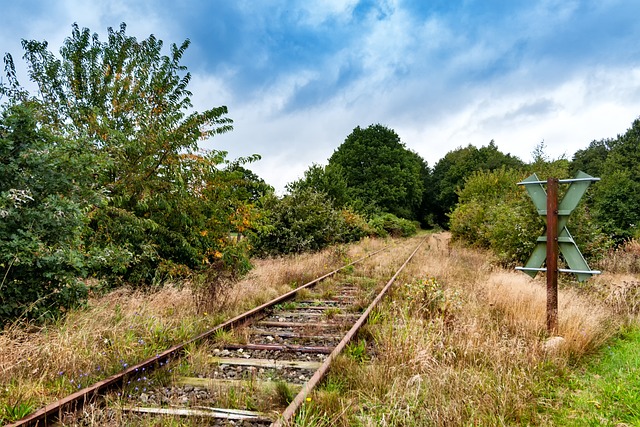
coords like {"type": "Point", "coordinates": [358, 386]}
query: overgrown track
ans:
{"type": "Point", "coordinates": [281, 345]}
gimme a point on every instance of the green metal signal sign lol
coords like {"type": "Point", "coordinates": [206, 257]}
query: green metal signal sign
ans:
{"type": "Point", "coordinates": [566, 244]}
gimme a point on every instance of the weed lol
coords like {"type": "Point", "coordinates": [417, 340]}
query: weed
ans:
{"type": "Point", "coordinates": [310, 416]}
{"type": "Point", "coordinates": [357, 350]}
{"type": "Point", "coordinates": [284, 394]}
{"type": "Point", "coordinates": [334, 384]}
{"type": "Point", "coordinates": [287, 305]}
{"type": "Point", "coordinates": [332, 312]}
{"type": "Point", "coordinates": [304, 294]}
{"type": "Point", "coordinates": [16, 408]}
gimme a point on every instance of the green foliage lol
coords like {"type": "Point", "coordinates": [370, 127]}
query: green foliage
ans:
{"type": "Point", "coordinates": [305, 221]}
{"type": "Point", "coordinates": [102, 175]}
{"type": "Point", "coordinates": [450, 173]}
{"type": "Point", "coordinates": [389, 224]}
{"type": "Point", "coordinates": [616, 199]}
{"type": "Point", "coordinates": [428, 299]}
{"type": "Point", "coordinates": [45, 199]}
{"type": "Point", "coordinates": [591, 160]}
{"type": "Point", "coordinates": [493, 212]}
{"type": "Point", "coordinates": [381, 174]}
{"type": "Point", "coordinates": [329, 180]}
{"type": "Point", "coordinates": [607, 392]}
{"type": "Point", "coordinates": [357, 350]}
{"type": "Point", "coordinates": [10, 412]}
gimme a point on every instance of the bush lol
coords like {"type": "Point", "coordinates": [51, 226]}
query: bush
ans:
{"type": "Point", "coordinates": [305, 220]}
{"type": "Point", "coordinates": [44, 205]}
{"type": "Point", "coordinates": [493, 212]}
{"type": "Point", "coordinates": [389, 224]}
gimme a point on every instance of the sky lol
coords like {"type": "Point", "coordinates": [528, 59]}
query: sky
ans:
{"type": "Point", "coordinates": [298, 76]}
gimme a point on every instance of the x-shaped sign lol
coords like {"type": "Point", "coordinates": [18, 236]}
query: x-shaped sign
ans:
{"type": "Point", "coordinates": [566, 244]}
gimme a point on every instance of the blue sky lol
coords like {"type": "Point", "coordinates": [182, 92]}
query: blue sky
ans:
{"type": "Point", "coordinates": [298, 76]}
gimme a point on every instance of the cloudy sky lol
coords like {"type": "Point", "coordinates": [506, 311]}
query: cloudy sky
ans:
{"type": "Point", "coordinates": [298, 76]}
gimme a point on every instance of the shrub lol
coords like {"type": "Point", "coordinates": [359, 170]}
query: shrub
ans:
{"type": "Point", "coordinates": [44, 205]}
{"type": "Point", "coordinates": [305, 220]}
{"type": "Point", "coordinates": [389, 224]}
{"type": "Point", "coordinates": [493, 212]}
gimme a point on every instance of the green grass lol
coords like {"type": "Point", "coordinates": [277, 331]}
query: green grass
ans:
{"type": "Point", "coordinates": [607, 390]}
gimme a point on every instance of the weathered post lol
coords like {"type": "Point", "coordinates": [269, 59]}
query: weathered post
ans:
{"type": "Point", "coordinates": [552, 255]}
{"type": "Point", "coordinates": [557, 238]}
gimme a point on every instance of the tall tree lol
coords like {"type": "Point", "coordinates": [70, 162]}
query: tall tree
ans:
{"type": "Point", "coordinates": [616, 198]}
{"type": "Point", "coordinates": [132, 103]}
{"type": "Point", "coordinates": [451, 171]}
{"type": "Point", "coordinates": [381, 172]}
{"type": "Point", "coordinates": [329, 179]}
{"type": "Point", "coordinates": [591, 159]}
{"type": "Point", "coordinates": [128, 98]}
{"type": "Point", "coordinates": [46, 195]}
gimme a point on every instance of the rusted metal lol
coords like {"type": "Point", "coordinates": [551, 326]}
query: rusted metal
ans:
{"type": "Point", "coordinates": [552, 255]}
{"type": "Point", "coordinates": [290, 411]}
{"type": "Point", "coordinates": [76, 401]}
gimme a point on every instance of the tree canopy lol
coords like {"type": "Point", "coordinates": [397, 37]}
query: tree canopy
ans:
{"type": "Point", "coordinates": [450, 172]}
{"type": "Point", "coordinates": [154, 205]}
{"type": "Point", "coordinates": [616, 198]}
{"type": "Point", "coordinates": [380, 172]}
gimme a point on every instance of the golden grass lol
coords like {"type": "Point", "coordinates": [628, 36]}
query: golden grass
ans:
{"type": "Point", "coordinates": [624, 259]}
{"type": "Point", "coordinates": [462, 342]}
{"type": "Point", "coordinates": [42, 363]}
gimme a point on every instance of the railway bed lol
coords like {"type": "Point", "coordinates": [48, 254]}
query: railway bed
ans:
{"type": "Point", "coordinates": [258, 374]}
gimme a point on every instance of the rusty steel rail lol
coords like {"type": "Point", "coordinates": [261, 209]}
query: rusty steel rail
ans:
{"type": "Point", "coordinates": [76, 401]}
{"type": "Point", "coordinates": [293, 407]}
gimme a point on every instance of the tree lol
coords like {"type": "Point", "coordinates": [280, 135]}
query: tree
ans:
{"type": "Point", "coordinates": [46, 195]}
{"type": "Point", "coordinates": [329, 180]}
{"type": "Point", "coordinates": [127, 98]}
{"type": "Point", "coordinates": [591, 160]}
{"type": "Point", "coordinates": [451, 171]}
{"type": "Point", "coordinates": [381, 172]}
{"type": "Point", "coordinates": [616, 198]}
{"type": "Point", "coordinates": [306, 220]}
{"type": "Point", "coordinates": [131, 103]}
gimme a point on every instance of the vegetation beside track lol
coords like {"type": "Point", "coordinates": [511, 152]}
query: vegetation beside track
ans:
{"type": "Point", "coordinates": [459, 341]}
{"type": "Point", "coordinates": [463, 343]}
{"type": "Point", "coordinates": [605, 391]}
{"type": "Point", "coordinates": [42, 363]}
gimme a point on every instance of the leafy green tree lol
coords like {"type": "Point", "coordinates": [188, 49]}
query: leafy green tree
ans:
{"type": "Point", "coordinates": [616, 199]}
{"type": "Point", "coordinates": [46, 195]}
{"type": "Point", "coordinates": [381, 172]}
{"type": "Point", "coordinates": [591, 160]}
{"type": "Point", "coordinates": [329, 180]}
{"type": "Point", "coordinates": [451, 171]}
{"type": "Point", "coordinates": [132, 104]}
{"type": "Point", "coordinates": [129, 99]}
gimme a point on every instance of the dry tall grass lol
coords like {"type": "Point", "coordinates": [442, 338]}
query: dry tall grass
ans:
{"type": "Point", "coordinates": [41, 363]}
{"type": "Point", "coordinates": [462, 342]}
{"type": "Point", "coordinates": [625, 259]}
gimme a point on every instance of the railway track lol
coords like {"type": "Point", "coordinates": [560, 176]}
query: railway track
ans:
{"type": "Point", "coordinates": [256, 369]}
